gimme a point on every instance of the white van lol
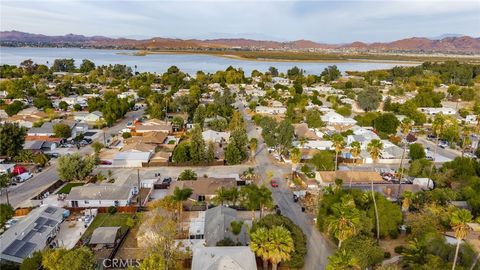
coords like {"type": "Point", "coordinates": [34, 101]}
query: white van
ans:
{"type": "Point", "coordinates": [24, 177]}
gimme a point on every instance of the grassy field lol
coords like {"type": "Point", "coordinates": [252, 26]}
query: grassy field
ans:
{"type": "Point", "coordinates": [315, 56]}
{"type": "Point", "coordinates": [66, 189]}
{"type": "Point", "coordinates": [107, 220]}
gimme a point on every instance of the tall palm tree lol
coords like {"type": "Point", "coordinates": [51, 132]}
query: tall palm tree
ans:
{"type": "Point", "coordinates": [465, 138]}
{"type": "Point", "coordinates": [438, 126]}
{"type": "Point", "coordinates": [180, 196]}
{"type": "Point", "coordinates": [221, 195]}
{"type": "Point", "coordinates": [280, 245]}
{"type": "Point", "coordinates": [459, 224]}
{"type": "Point", "coordinates": [253, 147]}
{"type": "Point", "coordinates": [5, 180]}
{"type": "Point", "coordinates": [344, 222]}
{"type": "Point", "coordinates": [296, 157]}
{"type": "Point", "coordinates": [355, 150]}
{"type": "Point", "coordinates": [374, 148]}
{"type": "Point", "coordinates": [259, 245]}
{"type": "Point", "coordinates": [338, 143]}
{"type": "Point", "coordinates": [405, 128]}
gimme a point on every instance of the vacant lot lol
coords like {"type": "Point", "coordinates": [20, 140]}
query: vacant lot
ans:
{"type": "Point", "coordinates": [66, 189]}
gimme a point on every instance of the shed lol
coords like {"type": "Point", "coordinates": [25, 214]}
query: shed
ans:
{"type": "Point", "coordinates": [104, 236]}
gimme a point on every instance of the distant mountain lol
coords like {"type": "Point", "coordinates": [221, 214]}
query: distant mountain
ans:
{"type": "Point", "coordinates": [451, 43]}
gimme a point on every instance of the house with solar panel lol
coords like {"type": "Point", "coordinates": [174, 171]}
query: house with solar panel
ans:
{"type": "Point", "coordinates": [32, 233]}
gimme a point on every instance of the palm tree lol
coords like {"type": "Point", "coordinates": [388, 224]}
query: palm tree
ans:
{"type": "Point", "coordinates": [302, 141]}
{"type": "Point", "coordinates": [407, 200]}
{"type": "Point", "coordinates": [355, 150]}
{"type": "Point", "coordinates": [181, 195]}
{"type": "Point", "coordinates": [253, 147]}
{"type": "Point", "coordinates": [221, 195]}
{"type": "Point", "coordinates": [338, 143]}
{"type": "Point", "coordinates": [459, 223]}
{"type": "Point", "coordinates": [343, 260]}
{"type": "Point", "coordinates": [374, 148]}
{"type": "Point", "coordinates": [405, 128]}
{"type": "Point", "coordinates": [5, 180]}
{"type": "Point", "coordinates": [438, 126]}
{"type": "Point", "coordinates": [296, 157]}
{"type": "Point", "coordinates": [465, 139]}
{"type": "Point", "coordinates": [344, 222]}
{"type": "Point", "coordinates": [280, 245]}
{"type": "Point", "coordinates": [259, 245]}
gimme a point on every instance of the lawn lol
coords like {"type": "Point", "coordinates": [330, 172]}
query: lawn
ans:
{"type": "Point", "coordinates": [107, 220]}
{"type": "Point", "coordinates": [66, 189]}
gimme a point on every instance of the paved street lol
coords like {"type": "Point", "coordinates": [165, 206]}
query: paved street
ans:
{"type": "Point", "coordinates": [319, 248]}
{"type": "Point", "coordinates": [31, 188]}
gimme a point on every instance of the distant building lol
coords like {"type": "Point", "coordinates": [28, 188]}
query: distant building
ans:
{"type": "Point", "coordinates": [271, 110]}
{"type": "Point", "coordinates": [222, 258]}
{"type": "Point", "coordinates": [434, 111]}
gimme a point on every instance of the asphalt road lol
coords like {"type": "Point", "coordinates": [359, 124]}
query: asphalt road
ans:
{"type": "Point", "coordinates": [319, 248]}
{"type": "Point", "coordinates": [20, 194]}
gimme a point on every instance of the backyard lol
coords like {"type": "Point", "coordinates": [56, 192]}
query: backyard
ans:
{"type": "Point", "coordinates": [108, 220]}
{"type": "Point", "coordinates": [67, 187]}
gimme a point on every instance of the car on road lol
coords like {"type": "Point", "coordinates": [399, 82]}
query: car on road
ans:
{"type": "Point", "coordinates": [10, 223]}
{"type": "Point", "coordinates": [105, 162]}
{"type": "Point", "coordinates": [274, 183]}
{"type": "Point", "coordinates": [53, 155]}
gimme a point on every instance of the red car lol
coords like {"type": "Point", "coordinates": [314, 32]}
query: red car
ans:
{"type": "Point", "coordinates": [105, 162]}
{"type": "Point", "coordinates": [274, 183]}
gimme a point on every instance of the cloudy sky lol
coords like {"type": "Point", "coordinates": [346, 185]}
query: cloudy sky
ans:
{"type": "Point", "coordinates": [322, 21]}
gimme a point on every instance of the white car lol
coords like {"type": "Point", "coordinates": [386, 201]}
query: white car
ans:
{"type": "Point", "coordinates": [24, 177]}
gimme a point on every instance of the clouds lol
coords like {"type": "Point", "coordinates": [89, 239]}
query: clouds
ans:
{"type": "Point", "coordinates": [326, 21]}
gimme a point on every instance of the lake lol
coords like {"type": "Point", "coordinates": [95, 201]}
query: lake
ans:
{"type": "Point", "coordinates": [189, 63]}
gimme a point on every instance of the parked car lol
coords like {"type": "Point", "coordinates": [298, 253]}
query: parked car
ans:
{"type": "Point", "coordinates": [23, 177]}
{"type": "Point", "coordinates": [10, 223]}
{"type": "Point", "coordinates": [53, 155]}
{"type": "Point", "coordinates": [167, 181]}
{"type": "Point", "coordinates": [274, 183]}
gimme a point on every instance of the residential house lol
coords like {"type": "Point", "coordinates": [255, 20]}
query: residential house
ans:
{"type": "Point", "coordinates": [38, 146]}
{"type": "Point", "coordinates": [87, 117]}
{"type": "Point", "coordinates": [327, 178]}
{"type": "Point", "coordinates": [203, 188]}
{"type": "Point", "coordinates": [6, 167]}
{"type": "Point", "coordinates": [271, 110]}
{"type": "Point", "coordinates": [32, 233]}
{"type": "Point", "coordinates": [471, 119]}
{"type": "Point", "coordinates": [154, 125]}
{"type": "Point", "coordinates": [100, 195]}
{"type": "Point", "coordinates": [434, 111]}
{"type": "Point", "coordinates": [222, 258]}
{"type": "Point", "coordinates": [280, 80]}
{"type": "Point", "coordinates": [130, 94]}
{"type": "Point", "coordinates": [132, 159]}
{"type": "Point", "coordinates": [217, 226]}
{"type": "Point", "coordinates": [303, 131]}
{"type": "Point", "coordinates": [332, 118]}
{"type": "Point", "coordinates": [215, 136]}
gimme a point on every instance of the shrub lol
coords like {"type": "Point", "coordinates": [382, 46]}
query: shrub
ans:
{"type": "Point", "coordinates": [387, 255]}
{"type": "Point", "coordinates": [126, 135]}
{"type": "Point", "coordinates": [112, 210]}
{"type": "Point", "coordinates": [399, 249]}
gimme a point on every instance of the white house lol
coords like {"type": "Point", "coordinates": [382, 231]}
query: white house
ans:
{"type": "Point", "coordinates": [215, 136]}
{"type": "Point", "coordinates": [216, 258]}
{"type": "Point", "coordinates": [434, 111]}
{"type": "Point", "coordinates": [129, 95]}
{"type": "Point", "coordinates": [471, 119]}
{"type": "Point", "coordinates": [131, 159]}
{"type": "Point", "coordinates": [88, 117]}
{"type": "Point", "coordinates": [315, 144]}
{"type": "Point", "coordinates": [333, 118]}
{"type": "Point", "coordinates": [280, 80]}
{"type": "Point", "coordinates": [100, 195]}
{"type": "Point", "coordinates": [270, 110]}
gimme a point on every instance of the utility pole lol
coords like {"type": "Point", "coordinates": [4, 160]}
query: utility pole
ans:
{"type": "Point", "coordinates": [139, 200]}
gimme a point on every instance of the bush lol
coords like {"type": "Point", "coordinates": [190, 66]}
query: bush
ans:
{"type": "Point", "coordinates": [399, 249]}
{"type": "Point", "coordinates": [387, 255]}
{"type": "Point", "coordinates": [112, 210]}
{"type": "Point", "coordinates": [126, 135]}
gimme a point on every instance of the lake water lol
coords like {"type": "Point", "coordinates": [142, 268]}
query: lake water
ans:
{"type": "Point", "coordinates": [189, 63]}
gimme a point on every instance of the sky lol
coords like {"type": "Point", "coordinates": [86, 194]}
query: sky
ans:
{"type": "Point", "coordinates": [321, 21]}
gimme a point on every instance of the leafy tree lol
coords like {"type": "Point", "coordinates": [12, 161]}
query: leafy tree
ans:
{"type": "Point", "coordinates": [369, 99]}
{"type": "Point", "coordinates": [390, 216]}
{"type": "Point", "coordinates": [181, 153]}
{"type": "Point", "coordinates": [367, 119]}
{"type": "Point", "coordinates": [330, 73]}
{"type": "Point", "coordinates": [75, 167]}
{"type": "Point", "coordinates": [274, 245]}
{"type": "Point", "coordinates": [76, 259]}
{"type": "Point", "coordinates": [416, 151]}
{"type": "Point", "coordinates": [459, 223]}
{"type": "Point", "coordinates": [314, 119]}
{"type": "Point", "coordinates": [387, 123]}
{"type": "Point", "coordinates": [6, 213]}
{"type": "Point", "coordinates": [32, 263]}
{"type": "Point", "coordinates": [344, 222]}
{"type": "Point", "coordinates": [12, 138]}
{"type": "Point", "coordinates": [338, 142]}
{"type": "Point", "coordinates": [273, 71]}
{"type": "Point", "coordinates": [97, 147]}
{"type": "Point", "coordinates": [365, 250]}
{"type": "Point", "coordinates": [87, 66]}
{"type": "Point", "coordinates": [187, 175]}
{"type": "Point", "coordinates": [343, 260]}
{"type": "Point", "coordinates": [177, 122]}
{"type": "Point", "coordinates": [63, 65]}
{"type": "Point", "coordinates": [323, 161]}
{"type": "Point", "coordinates": [254, 197]}
{"type": "Point", "coordinates": [197, 146]}
{"type": "Point", "coordinates": [210, 154]}
{"type": "Point", "coordinates": [62, 130]}
{"type": "Point", "coordinates": [253, 147]}
{"type": "Point", "coordinates": [14, 107]}
{"type": "Point", "coordinates": [153, 261]}
{"type": "Point", "coordinates": [180, 196]}
{"type": "Point", "coordinates": [233, 155]}
{"type": "Point", "coordinates": [63, 105]}
{"type": "Point", "coordinates": [5, 181]}
{"type": "Point", "coordinates": [285, 135]}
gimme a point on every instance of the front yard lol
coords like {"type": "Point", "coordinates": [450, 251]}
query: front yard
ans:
{"type": "Point", "coordinates": [66, 188]}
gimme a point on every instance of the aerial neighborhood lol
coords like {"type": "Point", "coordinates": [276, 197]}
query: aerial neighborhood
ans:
{"type": "Point", "coordinates": [106, 167]}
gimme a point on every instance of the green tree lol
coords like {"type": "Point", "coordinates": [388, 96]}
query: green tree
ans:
{"type": "Point", "coordinates": [153, 261]}
{"type": "Point", "coordinates": [75, 167]}
{"type": "Point", "coordinates": [344, 222]}
{"type": "Point", "coordinates": [62, 130]}
{"type": "Point", "coordinates": [313, 119]}
{"type": "Point", "coordinates": [343, 261]}
{"type": "Point", "coordinates": [276, 247]}
{"type": "Point", "coordinates": [387, 123]}
{"type": "Point", "coordinates": [285, 135]}
{"type": "Point", "coordinates": [6, 213]}
{"type": "Point", "coordinates": [76, 259]}
{"type": "Point", "coordinates": [253, 147]}
{"type": "Point", "coordinates": [14, 107]}
{"type": "Point", "coordinates": [233, 155]}
{"type": "Point", "coordinates": [338, 142]}
{"type": "Point", "coordinates": [181, 153]}
{"type": "Point", "coordinates": [254, 197]}
{"type": "Point", "coordinates": [63, 105]}
{"type": "Point", "coordinates": [180, 196]}
{"type": "Point", "coordinates": [187, 175]}
{"type": "Point", "coordinates": [330, 73]}
{"type": "Point", "coordinates": [87, 66]}
{"type": "Point", "coordinates": [365, 250]}
{"type": "Point", "coordinates": [197, 146]}
{"type": "Point", "coordinates": [97, 147]}
{"type": "Point", "coordinates": [323, 161]}
{"type": "Point", "coordinates": [12, 138]}
{"type": "Point", "coordinates": [416, 151]}
{"type": "Point", "coordinates": [177, 122]}
{"type": "Point", "coordinates": [374, 148]}
{"type": "Point", "coordinates": [33, 262]}
{"type": "Point", "coordinates": [210, 154]}
{"type": "Point", "coordinates": [369, 99]}
{"type": "Point", "coordinates": [259, 245]}
{"type": "Point", "coordinates": [5, 181]}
